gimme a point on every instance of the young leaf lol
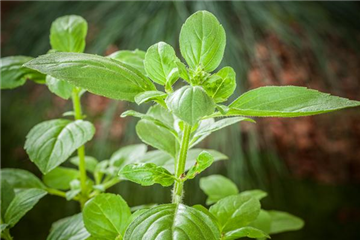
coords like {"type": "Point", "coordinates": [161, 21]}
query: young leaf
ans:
{"type": "Point", "coordinates": [283, 222]}
{"type": "Point", "coordinates": [203, 161]}
{"type": "Point", "coordinates": [13, 74]}
{"type": "Point", "coordinates": [161, 64]}
{"type": "Point", "coordinates": [90, 162]}
{"type": "Point", "coordinates": [69, 228]}
{"type": "Point", "coordinates": [147, 174]}
{"type": "Point", "coordinates": [23, 202]}
{"type": "Point", "coordinates": [149, 96]}
{"type": "Point", "coordinates": [235, 211]}
{"type": "Point", "coordinates": [60, 177]}
{"type": "Point", "coordinates": [59, 87]}
{"type": "Point", "coordinates": [221, 85]}
{"type": "Point", "coordinates": [19, 178]}
{"type": "Point", "coordinates": [75, 189]}
{"type": "Point", "coordinates": [183, 71]}
{"type": "Point", "coordinates": [202, 41]}
{"type": "Point", "coordinates": [157, 136]}
{"type": "Point", "coordinates": [106, 216]}
{"type": "Point", "coordinates": [134, 58]}
{"type": "Point", "coordinates": [190, 104]}
{"type": "Point", "coordinates": [99, 75]}
{"type": "Point", "coordinates": [217, 187]}
{"type": "Point", "coordinates": [288, 101]}
{"type": "Point", "coordinates": [68, 33]}
{"type": "Point", "coordinates": [50, 143]}
{"type": "Point", "coordinates": [249, 232]}
{"type": "Point", "coordinates": [7, 195]}
{"type": "Point", "coordinates": [173, 222]}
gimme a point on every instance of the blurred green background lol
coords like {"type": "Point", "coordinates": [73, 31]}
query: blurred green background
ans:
{"type": "Point", "coordinates": [309, 166]}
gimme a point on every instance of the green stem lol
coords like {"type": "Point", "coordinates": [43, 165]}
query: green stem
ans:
{"type": "Point", "coordinates": [81, 150]}
{"type": "Point", "coordinates": [180, 165]}
{"type": "Point", "coordinates": [58, 193]}
{"type": "Point", "coordinates": [6, 234]}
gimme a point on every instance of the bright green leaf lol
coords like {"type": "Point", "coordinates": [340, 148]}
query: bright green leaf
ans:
{"type": "Point", "coordinates": [106, 216]}
{"type": "Point", "coordinates": [149, 96]}
{"type": "Point", "coordinates": [59, 87]}
{"type": "Point", "coordinates": [202, 41]}
{"type": "Point", "coordinates": [183, 71]}
{"type": "Point", "coordinates": [190, 104]}
{"type": "Point", "coordinates": [161, 64]}
{"type": "Point", "coordinates": [258, 194]}
{"type": "Point", "coordinates": [7, 195]}
{"type": "Point", "coordinates": [134, 58]}
{"type": "Point", "coordinates": [13, 74]}
{"type": "Point", "coordinates": [221, 85]}
{"type": "Point", "coordinates": [283, 222]}
{"type": "Point", "coordinates": [68, 33]}
{"type": "Point", "coordinates": [263, 222]}
{"type": "Point", "coordinates": [50, 143]}
{"type": "Point", "coordinates": [90, 162]}
{"type": "Point", "coordinates": [147, 174]}
{"type": "Point", "coordinates": [60, 177]}
{"type": "Point", "coordinates": [249, 232]}
{"type": "Point", "coordinates": [157, 136]}
{"type": "Point", "coordinates": [172, 222]}
{"type": "Point", "coordinates": [75, 189]}
{"type": "Point", "coordinates": [19, 178]}
{"type": "Point", "coordinates": [287, 101]}
{"type": "Point", "coordinates": [99, 75]}
{"type": "Point", "coordinates": [23, 202]}
{"type": "Point", "coordinates": [203, 161]}
{"type": "Point", "coordinates": [217, 187]}
{"type": "Point", "coordinates": [235, 211]}
{"type": "Point", "coordinates": [161, 114]}
{"type": "Point", "coordinates": [70, 228]}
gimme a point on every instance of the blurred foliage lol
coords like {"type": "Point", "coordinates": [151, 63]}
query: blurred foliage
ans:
{"type": "Point", "coordinates": [267, 43]}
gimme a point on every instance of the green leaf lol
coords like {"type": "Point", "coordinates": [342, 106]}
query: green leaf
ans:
{"type": "Point", "coordinates": [161, 114]}
{"type": "Point", "coordinates": [3, 227]}
{"type": "Point", "coordinates": [68, 33]}
{"type": "Point", "coordinates": [202, 41]}
{"type": "Point", "coordinates": [70, 228]}
{"type": "Point", "coordinates": [134, 58]}
{"type": "Point", "coordinates": [258, 194]}
{"type": "Point", "coordinates": [99, 75]}
{"type": "Point", "coordinates": [147, 174]}
{"type": "Point", "coordinates": [7, 195]}
{"type": "Point", "coordinates": [249, 232]}
{"type": "Point", "coordinates": [23, 202]}
{"type": "Point", "coordinates": [127, 154]}
{"type": "Point", "coordinates": [106, 216]}
{"type": "Point", "coordinates": [149, 96]}
{"type": "Point", "coordinates": [217, 187]}
{"type": "Point", "coordinates": [157, 136]}
{"type": "Point", "coordinates": [190, 104]}
{"type": "Point", "coordinates": [283, 222]}
{"type": "Point", "coordinates": [221, 85]}
{"type": "Point", "coordinates": [19, 178]}
{"type": "Point", "coordinates": [161, 64]}
{"type": "Point", "coordinates": [203, 161]}
{"type": "Point", "coordinates": [90, 162]}
{"type": "Point", "coordinates": [52, 142]}
{"type": "Point", "coordinates": [288, 101]}
{"type": "Point", "coordinates": [13, 74]}
{"type": "Point", "coordinates": [60, 177]}
{"type": "Point", "coordinates": [59, 87]}
{"type": "Point", "coordinates": [183, 71]}
{"type": "Point", "coordinates": [262, 222]}
{"type": "Point", "coordinates": [172, 222]}
{"type": "Point", "coordinates": [75, 189]}
{"type": "Point", "coordinates": [235, 211]}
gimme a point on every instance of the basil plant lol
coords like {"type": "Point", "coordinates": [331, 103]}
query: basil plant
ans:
{"type": "Point", "coordinates": [188, 104]}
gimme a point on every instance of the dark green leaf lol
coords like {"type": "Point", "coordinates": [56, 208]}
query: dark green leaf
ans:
{"type": "Point", "coordinates": [172, 222]}
{"type": "Point", "coordinates": [90, 162]}
{"type": "Point", "coordinates": [190, 104]}
{"type": "Point", "coordinates": [52, 142]}
{"type": "Point", "coordinates": [149, 96]}
{"type": "Point", "coordinates": [147, 174]}
{"type": "Point", "coordinates": [68, 33]}
{"type": "Point", "coordinates": [288, 101]}
{"type": "Point", "coordinates": [221, 85]}
{"type": "Point", "coordinates": [13, 74]}
{"type": "Point", "coordinates": [203, 161]}
{"type": "Point", "coordinates": [59, 87]}
{"type": "Point", "coordinates": [134, 58]}
{"type": "Point", "coordinates": [23, 202]}
{"type": "Point", "coordinates": [249, 232]}
{"type": "Point", "coordinates": [19, 178]}
{"type": "Point", "coordinates": [70, 228]}
{"type": "Point", "coordinates": [202, 41]}
{"type": "Point", "coordinates": [283, 222]}
{"type": "Point", "coordinates": [106, 216]}
{"type": "Point", "coordinates": [7, 195]}
{"type": "Point", "coordinates": [235, 211]}
{"type": "Point", "coordinates": [161, 64]}
{"type": "Point", "coordinates": [60, 177]}
{"type": "Point", "coordinates": [217, 187]}
{"type": "Point", "coordinates": [99, 75]}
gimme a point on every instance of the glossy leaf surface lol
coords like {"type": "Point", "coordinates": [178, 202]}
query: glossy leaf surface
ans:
{"type": "Point", "coordinates": [249, 232]}
{"type": "Point", "coordinates": [70, 228]}
{"type": "Point", "coordinates": [134, 58]}
{"type": "Point", "coordinates": [149, 96]}
{"type": "Point", "coordinates": [217, 187]}
{"type": "Point", "coordinates": [203, 161]}
{"type": "Point", "coordinates": [221, 85]}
